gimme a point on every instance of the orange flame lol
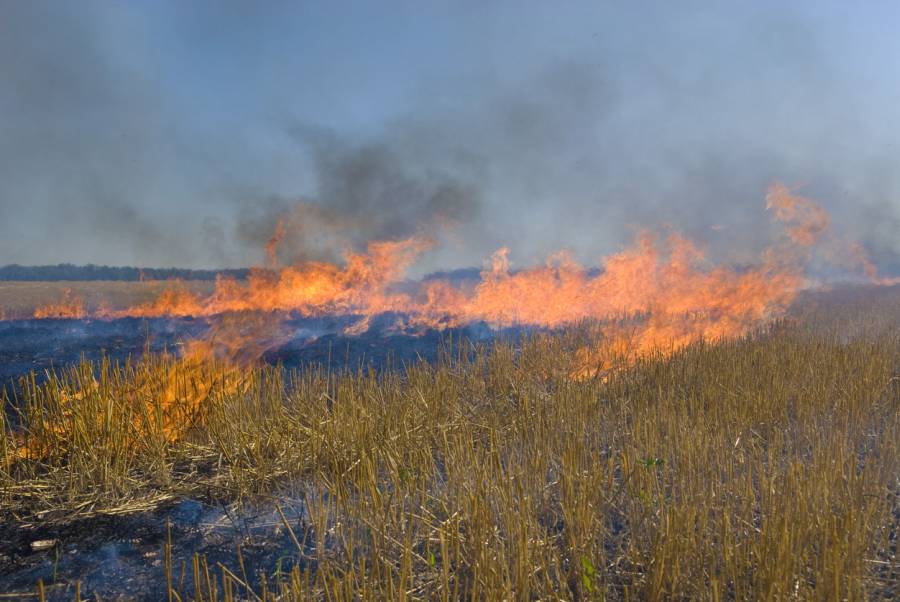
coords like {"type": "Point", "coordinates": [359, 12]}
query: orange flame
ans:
{"type": "Point", "coordinates": [679, 296]}
{"type": "Point", "coordinates": [859, 257]}
{"type": "Point", "coordinates": [804, 220]}
{"type": "Point", "coordinates": [173, 392]}
{"type": "Point", "coordinates": [272, 245]}
{"type": "Point", "coordinates": [669, 282]}
{"type": "Point", "coordinates": [69, 306]}
{"type": "Point", "coordinates": [656, 296]}
{"type": "Point", "coordinates": [668, 278]}
{"type": "Point", "coordinates": [311, 288]}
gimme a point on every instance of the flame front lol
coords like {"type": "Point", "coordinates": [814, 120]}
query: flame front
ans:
{"type": "Point", "coordinates": [360, 286]}
{"type": "Point", "coordinates": [657, 296]}
{"type": "Point", "coordinates": [69, 306]}
{"type": "Point", "coordinates": [667, 282]}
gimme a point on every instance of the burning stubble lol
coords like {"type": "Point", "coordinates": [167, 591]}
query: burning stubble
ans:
{"type": "Point", "coordinates": [659, 294]}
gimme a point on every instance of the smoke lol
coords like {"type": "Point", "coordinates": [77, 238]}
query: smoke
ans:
{"type": "Point", "coordinates": [472, 178]}
{"type": "Point", "coordinates": [173, 134]}
{"type": "Point", "coordinates": [363, 192]}
{"type": "Point", "coordinates": [77, 133]}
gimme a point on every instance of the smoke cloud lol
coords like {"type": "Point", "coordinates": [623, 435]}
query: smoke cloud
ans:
{"type": "Point", "coordinates": [374, 191]}
{"type": "Point", "coordinates": [181, 135]}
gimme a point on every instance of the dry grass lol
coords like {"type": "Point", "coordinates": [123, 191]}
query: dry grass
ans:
{"type": "Point", "coordinates": [764, 468]}
{"type": "Point", "coordinates": [20, 299]}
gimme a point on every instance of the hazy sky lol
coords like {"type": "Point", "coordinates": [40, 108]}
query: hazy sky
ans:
{"type": "Point", "coordinates": [174, 133]}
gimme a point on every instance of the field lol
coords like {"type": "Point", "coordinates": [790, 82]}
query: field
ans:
{"type": "Point", "coordinates": [763, 467]}
{"type": "Point", "coordinates": [416, 301]}
{"type": "Point", "coordinates": [20, 299]}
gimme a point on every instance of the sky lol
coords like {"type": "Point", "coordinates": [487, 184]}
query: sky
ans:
{"type": "Point", "coordinates": [176, 133]}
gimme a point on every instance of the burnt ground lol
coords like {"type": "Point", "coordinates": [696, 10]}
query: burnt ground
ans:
{"type": "Point", "coordinates": [40, 345]}
{"type": "Point", "coordinates": [123, 557]}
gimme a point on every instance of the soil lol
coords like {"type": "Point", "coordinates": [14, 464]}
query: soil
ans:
{"type": "Point", "coordinates": [122, 557]}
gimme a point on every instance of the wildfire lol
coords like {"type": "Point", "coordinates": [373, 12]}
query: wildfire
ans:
{"type": "Point", "coordinates": [69, 306]}
{"type": "Point", "coordinates": [161, 397]}
{"type": "Point", "coordinates": [360, 286]}
{"type": "Point", "coordinates": [656, 296]}
{"type": "Point", "coordinates": [666, 281]}
{"type": "Point", "coordinates": [272, 245]}
{"type": "Point", "coordinates": [805, 222]}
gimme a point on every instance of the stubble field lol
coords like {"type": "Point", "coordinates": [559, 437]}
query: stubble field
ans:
{"type": "Point", "coordinates": [766, 467]}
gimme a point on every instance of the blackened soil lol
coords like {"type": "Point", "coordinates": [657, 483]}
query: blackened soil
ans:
{"type": "Point", "coordinates": [40, 345]}
{"type": "Point", "coordinates": [122, 557]}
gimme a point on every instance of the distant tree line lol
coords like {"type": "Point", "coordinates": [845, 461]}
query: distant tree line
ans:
{"type": "Point", "coordinates": [68, 271]}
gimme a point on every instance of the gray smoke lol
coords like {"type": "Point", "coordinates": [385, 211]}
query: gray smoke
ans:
{"type": "Point", "coordinates": [373, 191]}
{"type": "Point", "coordinates": [180, 134]}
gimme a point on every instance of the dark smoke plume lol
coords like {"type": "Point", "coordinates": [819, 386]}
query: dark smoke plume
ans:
{"type": "Point", "coordinates": [178, 134]}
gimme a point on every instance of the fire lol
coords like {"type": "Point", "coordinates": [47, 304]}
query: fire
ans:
{"type": "Point", "coordinates": [658, 295]}
{"type": "Point", "coordinates": [674, 294]}
{"type": "Point", "coordinates": [272, 245]}
{"type": "Point", "coordinates": [159, 397]}
{"type": "Point", "coordinates": [663, 277]}
{"type": "Point", "coordinates": [805, 222]}
{"type": "Point", "coordinates": [361, 286]}
{"type": "Point", "coordinates": [69, 306]}
{"type": "Point", "coordinates": [660, 278]}
{"type": "Point", "coordinates": [860, 258]}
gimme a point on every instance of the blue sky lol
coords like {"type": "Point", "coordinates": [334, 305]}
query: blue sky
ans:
{"type": "Point", "coordinates": [174, 133]}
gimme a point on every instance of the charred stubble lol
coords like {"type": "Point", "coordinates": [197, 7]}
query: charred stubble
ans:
{"type": "Point", "coordinates": [759, 468]}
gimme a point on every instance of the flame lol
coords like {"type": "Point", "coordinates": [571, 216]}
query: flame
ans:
{"type": "Point", "coordinates": [361, 286]}
{"type": "Point", "coordinates": [69, 306]}
{"type": "Point", "coordinates": [680, 296]}
{"type": "Point", "coordinates": [272, 245]}
{"type": "Point", "coordinates": [859, 257]}
{"type": "Point", "coordinates": [669, 280]}
{"type": "Point", "coordinates": [163, 395]}
{"type": "Point", "coordinates": [804, 220]}
{"type": "Point", "coordinates": [669, 277]}
{"type": "Point", "coordinates": [690, 304]}
{"type": "Point", "coordinates": [175, 300]}
{"type": "Point", "coordinates": [657, 296]}
{"type": "Point", "coordinates": [807, 224]}
{"type": "Point", "coordinates": [671, 292]}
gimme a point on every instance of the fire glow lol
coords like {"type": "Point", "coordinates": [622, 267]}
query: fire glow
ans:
{"type": "Point", "coordinates": [667, 280]}
{"type": "Point", "coordinates": [655, 297]}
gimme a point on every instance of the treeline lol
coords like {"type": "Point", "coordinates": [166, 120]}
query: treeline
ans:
{"type": "Point", "coordinates": [68, 271]}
